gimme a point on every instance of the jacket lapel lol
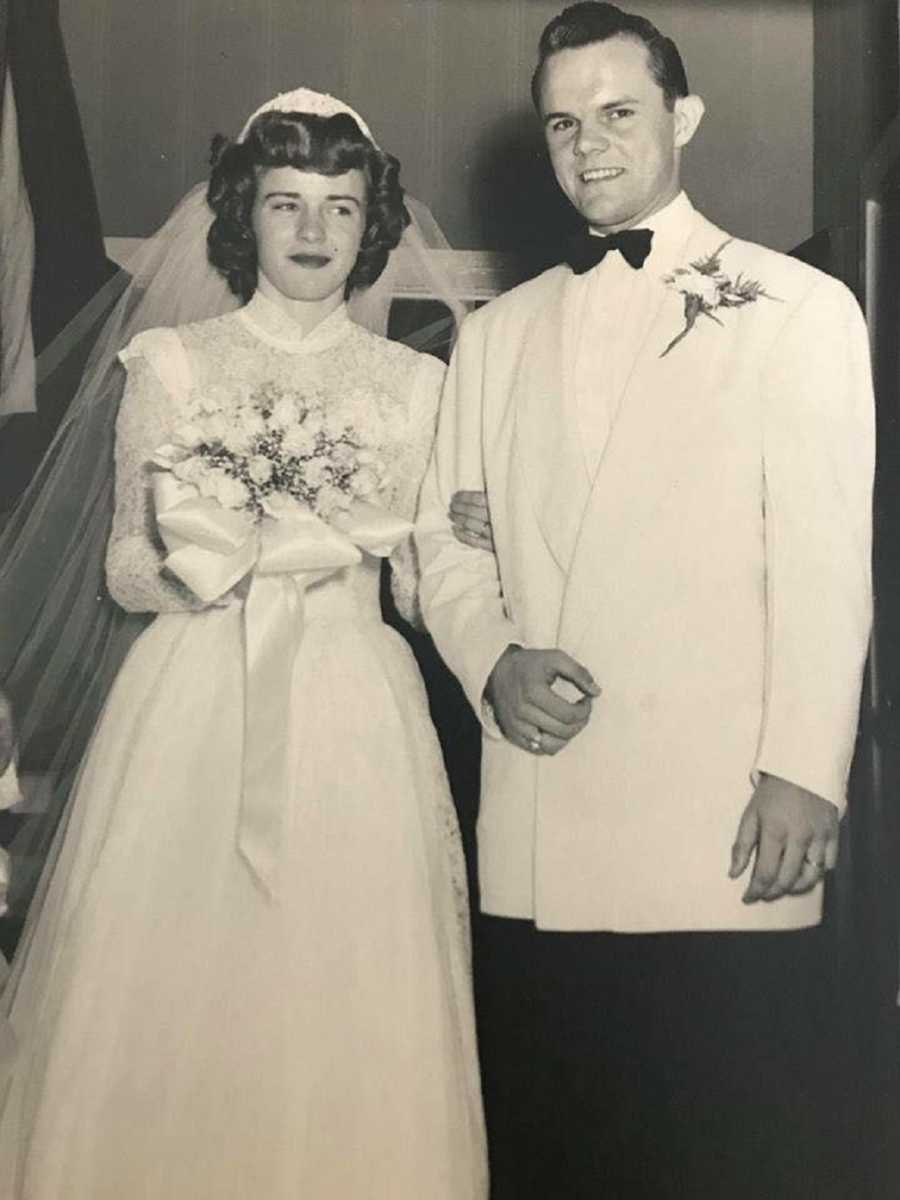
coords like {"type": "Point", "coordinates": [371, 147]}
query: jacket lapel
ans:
{"type": "Point", "coordinates": [548, 450]}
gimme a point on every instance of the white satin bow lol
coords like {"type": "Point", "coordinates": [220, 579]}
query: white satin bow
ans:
{"type": "Point", "coordinates": [211, 549]}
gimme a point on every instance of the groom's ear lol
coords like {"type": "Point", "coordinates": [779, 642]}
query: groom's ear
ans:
{"type": "Point", "coordinates": [689, 112]}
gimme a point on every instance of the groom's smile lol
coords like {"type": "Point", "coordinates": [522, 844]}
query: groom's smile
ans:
{"type": "Point", "coordinates": [595, 174]}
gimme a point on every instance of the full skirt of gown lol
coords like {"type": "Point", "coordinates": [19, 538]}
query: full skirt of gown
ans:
{"type": "Point", "coordinates": [183, 1036]}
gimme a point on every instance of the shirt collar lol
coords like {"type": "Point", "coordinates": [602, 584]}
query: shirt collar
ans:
{"type": "Point", "coordinates": [671, 228]}
{"type": "Point", "coordinates": [271, 324]}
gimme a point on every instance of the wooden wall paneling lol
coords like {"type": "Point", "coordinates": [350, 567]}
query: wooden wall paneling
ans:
{"type": "Point", "coordinates": [393, 57]}
{"type": "Point", "coordinates": [445, 85]}
{"type": "Point", "coordinates": [145, 94]}
{"type": "Point", "coordinates": [228, 67]}
{"type": "Point", "coordinates": [493, 178]}
{"type": "Point", "coordinates": [309, 46]}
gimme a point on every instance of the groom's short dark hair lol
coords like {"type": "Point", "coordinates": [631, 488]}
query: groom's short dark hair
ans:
{"type": "Point", "coordinates": [587, 22]}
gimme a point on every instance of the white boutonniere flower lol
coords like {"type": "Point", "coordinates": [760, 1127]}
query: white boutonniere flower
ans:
{"type": "Point", "coordinates": [707, 290]}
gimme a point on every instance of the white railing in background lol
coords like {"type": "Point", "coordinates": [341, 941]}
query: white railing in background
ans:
{"type": "Point", "coordinates": [475, 274]}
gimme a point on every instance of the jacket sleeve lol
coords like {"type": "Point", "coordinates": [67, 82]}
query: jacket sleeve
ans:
{"type": "Point", "coordinates": [818, 464]}
{"type": "Point", "coordinates": [460, 588]}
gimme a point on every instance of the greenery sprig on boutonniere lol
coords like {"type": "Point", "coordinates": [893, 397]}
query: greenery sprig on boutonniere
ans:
{"type": "Point", "coordinates": [706, 289]}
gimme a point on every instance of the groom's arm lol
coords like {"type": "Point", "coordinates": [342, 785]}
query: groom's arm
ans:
{"type": "Point", "coordinates": [511, 688]}
{"type": "Point", "coordinates": [818, 463]}
{"type": "Point", "coordinates": [460, 590]}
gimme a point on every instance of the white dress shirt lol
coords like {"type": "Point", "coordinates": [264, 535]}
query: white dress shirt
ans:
{"type": "Point", "coordinates": [609, 310]}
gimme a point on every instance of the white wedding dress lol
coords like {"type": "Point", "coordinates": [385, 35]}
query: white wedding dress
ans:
{"type": "Point", "coordinates": [182, 1036]}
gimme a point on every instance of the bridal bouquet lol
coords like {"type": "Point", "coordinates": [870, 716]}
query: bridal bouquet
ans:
{"type": "Point", "coordinates": [252, 453]}
{"type": "Point", "coordinates": [275, 482]}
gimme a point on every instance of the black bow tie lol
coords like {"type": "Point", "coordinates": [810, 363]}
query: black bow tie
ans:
{"type": "Point", "coordinates": [586, 249]}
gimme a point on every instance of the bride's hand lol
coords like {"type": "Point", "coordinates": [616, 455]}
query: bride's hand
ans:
{"type": "Point", "coordinates": [7, 732]}
{"type": "Point", "coordinates": [471, 520]}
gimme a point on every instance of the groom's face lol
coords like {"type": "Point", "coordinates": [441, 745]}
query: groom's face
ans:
{"type": "Point", "coordinates": [614, 144]}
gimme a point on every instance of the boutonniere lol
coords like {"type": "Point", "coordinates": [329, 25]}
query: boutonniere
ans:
{"type": "Point", "coordinates": [706, 289]}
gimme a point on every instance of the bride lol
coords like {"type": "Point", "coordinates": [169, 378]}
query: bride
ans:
{"type": "Point", "coordinates": [247, 972]}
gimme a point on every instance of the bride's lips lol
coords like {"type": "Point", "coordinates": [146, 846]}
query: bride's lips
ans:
{"type": "Point", "coordinates": [313, 261]}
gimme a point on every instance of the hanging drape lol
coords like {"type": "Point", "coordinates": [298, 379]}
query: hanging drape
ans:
{"type": "Point", "coordinates": [16, 254]}
{"type": "Point", "coordinates": [44, 172]}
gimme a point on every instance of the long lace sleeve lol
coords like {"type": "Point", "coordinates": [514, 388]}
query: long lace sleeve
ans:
{"type": "Point", "coordinates": [409, 471]}
{"type": "Point", "coordinates": [134, 556]}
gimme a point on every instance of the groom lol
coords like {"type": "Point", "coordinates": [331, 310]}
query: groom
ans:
{"type": "Point", "coordinates": [665, 648]}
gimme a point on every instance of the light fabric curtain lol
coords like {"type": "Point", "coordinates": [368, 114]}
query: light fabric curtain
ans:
{"type": "Point", "coordinates": [17, 385]}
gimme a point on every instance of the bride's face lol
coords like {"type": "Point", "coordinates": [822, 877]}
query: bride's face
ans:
{"type": "Point", "coordinates": [308, 229]}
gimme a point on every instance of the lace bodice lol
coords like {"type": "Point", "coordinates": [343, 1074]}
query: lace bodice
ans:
{"type": "Point", "coordinates": [393, 389]}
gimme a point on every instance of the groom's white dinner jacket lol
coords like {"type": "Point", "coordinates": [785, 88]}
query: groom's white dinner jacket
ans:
{"type": "Point", "coordinates": [709, 564]}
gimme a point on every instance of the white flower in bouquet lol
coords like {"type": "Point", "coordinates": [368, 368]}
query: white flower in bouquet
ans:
{"type": "Point", "coordinates": [260, 469]}
{"type": "Point", "coordinates": [334, 426]}
{"type": "Point", "coordinates": [314, 422]}
{"type": "Point", "coordinates": [215, 427]}
{"type": "Point", "coordinates": [251, 422]}
{"type": "Point", "coordinates": [284, 413]}
{"type": "Point", "coordinates": [190, 470]}
{"type": "Point", "coordinates": [317, 473]}
{"type": "Point", "coordinates": [345, 457]}
{"type": "Point", "coordinates": [237, 440]}
{"type": "Point", "coordinates": [224, 488]}
{"type": "Point", "coordinates": [299, 441]}
{"type": "Point", "coordinates": [366, 481]}
{"type": "Point", "coordinates": [330, 500]}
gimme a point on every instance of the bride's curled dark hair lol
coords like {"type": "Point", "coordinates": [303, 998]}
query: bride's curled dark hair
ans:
{"type": "Point", "coordinates": [309, 142]}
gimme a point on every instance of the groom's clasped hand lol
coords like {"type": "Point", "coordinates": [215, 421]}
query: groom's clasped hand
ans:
{"type": "Point", "coordinates": [541, 698]}
{"type": "Point", "coordinates": [528, 691]}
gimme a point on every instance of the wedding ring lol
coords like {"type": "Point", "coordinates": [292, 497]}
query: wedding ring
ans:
{"type": "Point", "coordinates": [534, 744]}
{"type": "Point", "coordinates": [814, 862]}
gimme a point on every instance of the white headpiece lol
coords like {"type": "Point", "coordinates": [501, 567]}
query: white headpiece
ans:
{"type": "Point", "coordinates": [305, 100]}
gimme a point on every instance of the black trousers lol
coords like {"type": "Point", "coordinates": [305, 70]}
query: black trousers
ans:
{"type": "Point", "coordinates": [689, 1066]}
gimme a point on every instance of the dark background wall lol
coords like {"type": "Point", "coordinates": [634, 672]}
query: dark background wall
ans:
{"type": "Point", "coordinates": [444, 84]}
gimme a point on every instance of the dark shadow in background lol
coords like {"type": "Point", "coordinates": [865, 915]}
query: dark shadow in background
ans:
{"type": "Point", "coordinates": [518, 205]}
